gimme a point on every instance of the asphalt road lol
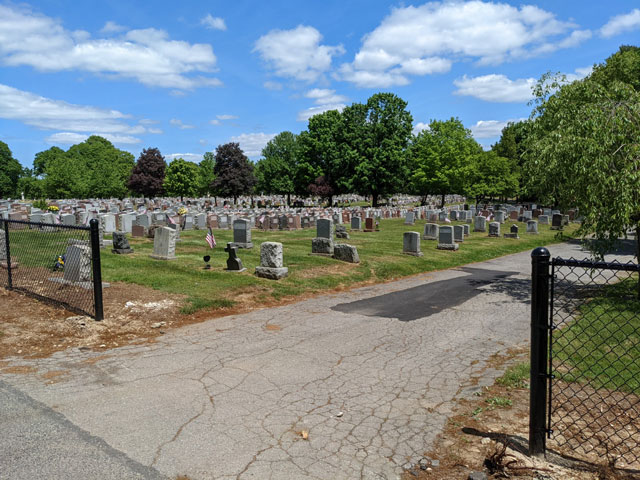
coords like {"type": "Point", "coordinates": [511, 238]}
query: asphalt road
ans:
{"type": "Point", "coordinates": [369, 375]}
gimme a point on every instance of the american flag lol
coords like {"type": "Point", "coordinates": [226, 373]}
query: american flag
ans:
{"type": "Point", "coordinates": [170, 220]}
{"type": "Point", "coordinates": [211, 240]}
{"type": "Point", "coordinates": [446, 220]}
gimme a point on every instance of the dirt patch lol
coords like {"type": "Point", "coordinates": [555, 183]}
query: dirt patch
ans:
{"type": "Point", "coordinates": [489, 433]}
{"type": "Point", "coordinates": [339, 269]}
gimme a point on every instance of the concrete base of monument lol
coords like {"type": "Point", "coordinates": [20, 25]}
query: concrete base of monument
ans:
{"type": "Point", "coordinates": [511, 235]}
{"type": "Point", "coordinates": [414, 254]}
{"type": "Point", "coordinates": [122, 251]}
{"type": "Point", "coordinates": [242, 245]}
{"type": "Point", "coordinates": [162, 257]}
{"type": "Point", "coordinates": [235, 271]}
{"type": "Point", "coordinates": [272, 273]}
{"type": "Point", "coordinates": [448, 246]}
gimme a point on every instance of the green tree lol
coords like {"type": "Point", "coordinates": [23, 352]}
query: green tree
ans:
{"type": "Point", "coordinates": [381, 166]}
{"type": "Point", "coordinates": [147, 176]}
{"type": "Point", "coordinates": [442, 156]}
{"type": "Point", "coordinates": [182, 179]}
{"type": "Point", "coordinates": [583, 148]}
{"type": "Point", "coordinates": [276, 172]}
{"type": "Point", "coordinates": [29, 185]}
{"type": "Point", "coordinates": [207, 175]}
{"type": "Point", "coordinates": [65, 178]}
{"type": "Point", "coordinates": [10, 170]}
{"type": "Point", "coordinates": [491, 176]}
{"type": "Point", "coordinates": [42, 158]}
{"type": "Point", "coordinates": [234, 172]}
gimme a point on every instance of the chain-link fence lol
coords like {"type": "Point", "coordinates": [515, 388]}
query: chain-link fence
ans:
{"type": "Point", "coordinates": [55, 263]}
{"type": "Point", "coordinates": [594, 359]}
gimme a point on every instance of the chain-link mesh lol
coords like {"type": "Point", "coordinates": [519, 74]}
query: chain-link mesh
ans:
{"type": "Point", "coordinates": [595, 359]}
{"type": "Point", "coordinates": [51, 262]}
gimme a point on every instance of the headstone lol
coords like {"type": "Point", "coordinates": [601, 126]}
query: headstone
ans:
{"type": "Point", "coordinates": [513, 215]}
{"type": "Point", "coordinates": [109, 223]}
{"type": "Point", "coordinates": [453, 215]}
{"type": "Point", "coordinates": [68, 219]}
{"type": "Point", "coordinates": [242, 233]}
{"type": "Point", "coordinates": [442, 216]}
{"type": "Point", "coordinates": [341, 232]}
{"type": "Point", "coordinates": [458, 233]}
{"type": "Point", "coordinates": [77, 265]}
{"type": "Point", "coordinates": [234, 264]}
{"type": "Point", "coordinates": [499, 216]}
{"type": "Point", "coordinates": [346, 253]}
{"type": "Point", "coordinates": [532, 227]}
{"type": "Point", "coordinates": [200, 221]}
{"type": "Point", "coordinates": [430, 231]}
{"type": "Point", "coordinates": [321, 246]}
{"type": "Point", "coordinates": [494, 229]}
{"type": "Point", "coordinates": [164, 244]}
{"type": "Point", "coordinates": [271, 263]}
{"type": "Point", "coordinates": [187, 222]}
{"type": "Point", "coordinates": [324, 228]}
{"type": "Point", "coordinates": [543, 219]}
{"type": "Point", "coordinates": [565, 220]}
{"type": "Point", "coordinates": [445, 238]}
{"type": "Point", "coordinates": [138, 231]}
{"type": "Point", "coordinates": [121, 244]}
{"type": "Point", "coordinates": [411, 244]}
{"type": "Point", "coordinates": [480, 224]}
{"type": "Point", "coordinates": [369, 225]}
{"type": "Point", "coordinates": [143, 220]}
{"type": "Point", "coordinates": [556, 221]}
{"type": "Point", "coordinates": [356, 223]}
{"type": "Point", "coordinates": [513, 232]}
{"type": "Point", "coordinates": [410, 219]}
{"type": "Point", "coordinates": [283, 222]}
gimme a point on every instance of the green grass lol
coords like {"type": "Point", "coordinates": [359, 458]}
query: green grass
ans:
{"type": "Point", "coordinates": [381, 259]}
{"type": "Point", "coordinates": [516, 376]}
{"type": "Point", "coordinates": [495, 402]}
{"type": "Point", "coordinates": [602, 346]}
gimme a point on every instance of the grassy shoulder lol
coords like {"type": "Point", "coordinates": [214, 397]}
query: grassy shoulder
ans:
{"type": "Point", "coordinates": [381, 259]}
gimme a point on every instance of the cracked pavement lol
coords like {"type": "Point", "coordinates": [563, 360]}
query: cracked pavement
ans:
{"type": "Point", "coordinates": [230, 398]}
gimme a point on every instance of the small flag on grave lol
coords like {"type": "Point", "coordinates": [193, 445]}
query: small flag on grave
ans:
{"type": "Point", "coordinates": [211, 240]}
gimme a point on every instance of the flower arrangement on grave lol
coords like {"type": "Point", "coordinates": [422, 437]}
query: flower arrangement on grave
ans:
{"type": "Point", "coordinates": [53, 208]}
{"type": "Point", "coordinates": [182, 211]}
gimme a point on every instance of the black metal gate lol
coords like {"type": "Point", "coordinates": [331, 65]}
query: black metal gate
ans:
{"type": "Point", "coordinates": [585, 371]}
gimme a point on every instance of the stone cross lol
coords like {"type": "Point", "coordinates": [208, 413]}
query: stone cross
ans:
{"type": "Point", "coordinates": [234, 264]}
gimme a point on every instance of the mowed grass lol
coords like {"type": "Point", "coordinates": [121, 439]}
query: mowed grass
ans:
{"type": "Point", "coordinates": [602, 346]}
{"type": "Point", "coordinates": [381, 259]}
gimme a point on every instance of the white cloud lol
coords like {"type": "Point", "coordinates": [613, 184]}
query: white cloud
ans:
{"type": "Point", "coordinates": [253, 143]}
{"type": "Point", "coordinates": [215, 122]}
{"type": "Point", "coordinates": [189, 157]}
{"type": "Point", "coordinates": [275, 86]}
{"type": "Point", "coordinates": [495, 88]}
{"type": "Point", "coordinates": [178, 123]}
{"type": "Point", "coordinates": [418, 127]}
{"type": "Point", "coordinates": [202, 142]}
{"type": "Point", "coordinates": [148, 55]}
{"type": "Point", "coordinates": [215, 23]}
{"type": "Point", "coordinates": [70, 138]}
{"type": "Point", "coordinates": [112, 27]}
{"type": "Point", "coordinates": [226, 117]}
{"type": "Point", "coordinates": [48, 114]}
{"type": "Point", "coordinates": [155, 131]}
{"type": "Point", "coordinates": [488, 128]}
{"type": "Point", "coordinates": [297, 53]}
{"type": "Point", "coordinates": [305, 115]}
{"type": "Point", "coordinates": [621, 23]}
{"type": "Point", "coordinates": [427, 39]}
{"type": "Point", "coordinates": [324, 96]}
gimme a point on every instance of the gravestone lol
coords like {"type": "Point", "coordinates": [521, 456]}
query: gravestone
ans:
{"type": "Point", "coordinates": [565, 220]}
{"type": "Point", "coordinates": [532, 227]}
{"type": "Point", "coordinates": [234, 264]}
{"type": "Point", "coordinates": [187, 222]}
{"type": "Point", "coordinates": [306, 223]}
{"type": "Point", "coordinates": [411, 244]}
{"type": "Point", "coordinates": [200, 221]}
{"type": "Point", "coordinates": [356, 223]}
{"type": "Point", "coordinates": [543, 219]}
{"type": "Point", "coordinates": [442, 216]}
{"type": "Point", "coordinates": [346, 253]}
{"type": "Point", "coordinates": [121, 244]}
{"type": "Point", "coordinates": [341, 232]}
{"type": "Point", "coordinates": [480, 224]}
{"type": "Point", "coordinates": [369, 225]}
{"type": "Point", "coordinates": [323, 243]}
{"type": "Point", "coordinates": [77, 265]}
{"type": "Point", "coordinates": [458, 233]}
{"type": "Point", "coordinates": [453, 215]}
{"type": "Point", "coordinates": [499, 216]}
{"type": "Point", "coordinates": [513, 232]}
{"type": "Point", "coordinates": [68, 219]}
{"type": "Point", "coordinates": [109, 222]}
{"type": "Point", "coordinates": [242, 233]}
{"type": "Point", "coordinates": [143, 220]}
{"type": "Point", "coordinates": [138, 231]}
{"type": "Point", "coordinates": [494, 229]}
{"type": "Point", "coordinates": [126, 222]}
{"type": "Point", "coordinates": [164, 244]}
{"type": "Point", "coordinates": [271, 263]}
{"type": "Point", "coordinates": [410, 219]}
{"type": "Point", "coordinates": [324, 228]}
{"type": "Point", "coordinates": [283, 222]}
{"type": "Point", "coordinates": [556, 221]}
{"type": "Point", "coordinates": [445, 238]}
{"type": "Point", "coordinates": [430, 231]}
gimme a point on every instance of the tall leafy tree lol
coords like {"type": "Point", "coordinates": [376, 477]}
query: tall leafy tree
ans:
{"type": "Point", "coordinates": [234, 172]}
{"type": "Point", "coordinates": [10, 170]}
{"type": "Point", "coordinates": [42, 158]}
{"type": "Point", "coordinates": [182, 179]}
{"type": "Point", "coordinates": [207, 175]}
{"type": "Point", "coordinates": [31, 186]}
{"type": "Point", "coordinates": [147, 176]}
{"type": "Point", "coordinates": [65, 177]}
{"type": "Point", "coordinates": [276, 172]}
{"type": "Point", "coordinates": [491, 176]}
{"type": "Point", "coordinates": [381, 166]}
{"type": "Point", "coordinates": [441, 157]}
{"type": "Point", "coordinates": [583, 148]}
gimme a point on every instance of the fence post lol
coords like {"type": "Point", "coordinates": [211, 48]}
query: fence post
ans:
{"type": "Point", "coordinates": [97, 272]}
{"type": "Point", "coordinates": [539, 350]}
{"type": "Point", "coordinates": [8, 253]}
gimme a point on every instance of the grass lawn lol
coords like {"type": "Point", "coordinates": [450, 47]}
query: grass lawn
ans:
{"type": "Point", "coordinates": [602, 346]}
{"type": "Point", "coordinates": [381, 259]}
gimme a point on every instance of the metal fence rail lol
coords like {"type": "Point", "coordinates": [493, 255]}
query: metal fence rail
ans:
{"type": "Point", "coordinates": [56, 263]}
{"type": "Point", "coordinates": [586, 370]}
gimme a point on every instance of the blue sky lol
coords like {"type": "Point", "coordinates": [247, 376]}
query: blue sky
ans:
{"type": "Point", "coordinates": [188, 76]}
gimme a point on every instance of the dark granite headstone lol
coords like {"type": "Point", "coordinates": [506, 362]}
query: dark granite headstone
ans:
{"type": "Point", "coordinates": [120, 243]}
{"type": "Point", "coordinates": [234, 264]}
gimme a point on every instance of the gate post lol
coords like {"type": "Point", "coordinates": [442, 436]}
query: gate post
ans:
{"type": "Point", "coordinates": [539, 350]}
{"type": "Point", "coordinates": [94, 236]}
{"type": "Point", "coordinates": [8, 254]}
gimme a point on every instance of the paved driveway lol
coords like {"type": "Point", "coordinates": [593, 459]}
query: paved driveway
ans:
{"type": "Point", "coordinates": [370, 374]}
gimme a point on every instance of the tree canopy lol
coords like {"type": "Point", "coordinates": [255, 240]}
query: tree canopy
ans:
{"type": "Point", "coordinates": [276, 172]}
{"type": "Point", "coordinates": [207, 175]}
{"type": "Point", "coordinates": [233, 171]}
{"type": "Point", "coordinates": [583, 150]}
{"type": "Point", "coordinates": [10, 170]}
{"type": "Point", "coordinates": [181, 179]}
{"type": "Point", "coordinates": [147, 177]}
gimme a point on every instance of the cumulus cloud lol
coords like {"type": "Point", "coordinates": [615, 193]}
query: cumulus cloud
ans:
{"type": "Point", "coordinates": [324, 96]}
{"type": "Point", "coordinates": [621, 23]}
{"type": "Point", "coordinates": [427, 39]}
{"type": "Point", "coordinates": [488, 128]}
{"type": "Point", "coordinates": [305, 115]}
{"type": "Point", "coordinates": [253, 143]}
{"type": "Point", "coordinates": [418, 127]}
{"type": "Point", "coordinates": [148, 55]}
{"type": "Point", "coordinates": [178, 123]}
{"type": "Point", "coordinates": [495, 88]}
{"type": "Point", "coordinates": [215, 23]}
{"type": "Point", "coordinates": [189, 157]}
{"type": "Point", "coordinates": [48, 114]}
{"type": "Point", "coordinates": [227, 117]}
{"type": "Point", "coordinates": [112, 27]}
{"type": "Point", "coordinates": [297, 53]}
{"type": "Point", "coordinates": [70, 138]}
{"type": "Point", "coordinates": [275, 86]}
{"type": "Point", "coordinates": [215, 121]}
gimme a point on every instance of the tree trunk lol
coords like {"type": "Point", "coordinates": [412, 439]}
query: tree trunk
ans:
{"type": "Point", "coordinates": [442, 201]}
{"type": "Point", "coordinates": [288, 200]}
{"type": "Point", "coordinates": [330, 201]}
{"type": "Point", "coordinates": [374, 200]}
